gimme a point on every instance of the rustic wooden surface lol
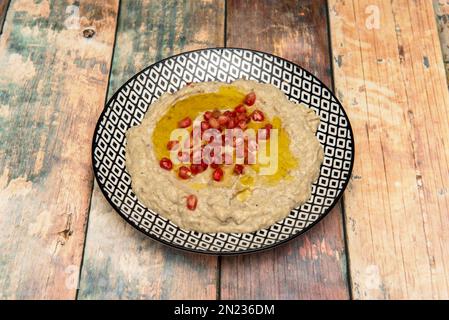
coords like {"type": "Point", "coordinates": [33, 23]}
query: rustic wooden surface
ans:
{"type": "Point", "coordinates": [388, 70]}
{"type": "Point", "coordinates": [120, 262]}
{"type": "Point", "coordinates": [313, 266]}
{"type": "Point", "coordinates": [441, 8]}
{"type": "Point", "coordinates": [52, 87]}
{"type": "Point", "coordinates": [390, 78]}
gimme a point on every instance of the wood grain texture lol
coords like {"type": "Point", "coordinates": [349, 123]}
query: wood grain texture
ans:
{"type": "Point", "coordinates": [312, 266]}
{"type": "Point", "coordinates": [391, 80]}
{"type": "Point", "coordinates": [441, 8]}
{"type": "Point", "coordinates": [119, 261]}
{"type": "Point", "coordinates": [52, 88]}
{"type": "Point", "coordinates": [3, 8]}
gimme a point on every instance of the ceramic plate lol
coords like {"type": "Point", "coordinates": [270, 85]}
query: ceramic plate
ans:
{"type": "Point", "coordinates": [130, 103]}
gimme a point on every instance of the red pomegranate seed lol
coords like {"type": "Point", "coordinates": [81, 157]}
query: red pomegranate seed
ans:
{"type": "Point", "coordinates": [222, 120]}
{"type": "Point", "coordinates": [242, 116]}
{"type": "Point", "coordinates": [216, 113]}
{"type": "Point", "coordinates": [192, 201]}
{"type": "Point", "coordinates": [196, 168]}
{"type": "Point", "coordinates": [184, 123]}
{"type": "Point", "coordinates": [250, 99]}
{"type": "Point", "coordinates": [242, 124]}
{"type": "Point", "coordinates": [257, 115]}
{"type": "Point", "coordinates": [214, 123]}
{"type": "Point", "coordinates": [172, 144]}
{"type": "Point", "coordinates": [166, 164]}
{"type": "Point", "coordinates": [205, 125]}
{"type": "Point", "coordinates": [184, 172]}
{"type": "Point", "coordinates": [218, 174]}
{"type": "Point", "coordinates": [240, 109]}
{"type": "Point", "coordinates": [238, 169]}
{"type": "Point", "coordinates": [204, 166]}
{"type": "Point", "coordinates": [207, 115]}
{"type": "Point", "coordinates": [214, 165]}
{"type": "Point", "coordinates": [231, 124]}
{"type": "Point", "coordinates": [230, 114]}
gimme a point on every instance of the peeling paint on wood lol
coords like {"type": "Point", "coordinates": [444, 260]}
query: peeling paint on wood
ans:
{"type": "Point", "coordinates": [120, 262]}
{"type": "Point", "coordinates": [397, 221]}
{"type": "Point", "coordinates": [312, 266]}
{"type": "Point", "coordinates": [48, 108]}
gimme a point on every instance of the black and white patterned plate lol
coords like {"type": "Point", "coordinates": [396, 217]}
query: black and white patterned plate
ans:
{"type": "Point", "coordinates": [128, 106]}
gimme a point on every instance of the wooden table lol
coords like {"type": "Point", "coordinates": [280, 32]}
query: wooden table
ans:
{"type": "Point", "coordinates": [387, 239]}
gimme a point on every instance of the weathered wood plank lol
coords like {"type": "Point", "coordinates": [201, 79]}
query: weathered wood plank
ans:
{"type": "Point", "coordinates": [120, 262]}
{"type": "Point", "coordinates": [52, 87]}
{"type": "Point", "coordinates": [441, 8]}
{"type": "Point", "coordinates": [391, 78]}
{"type": "Point", "coordinates": [314, 265]}
{"type": "Point", "coordinates": [3, 8]}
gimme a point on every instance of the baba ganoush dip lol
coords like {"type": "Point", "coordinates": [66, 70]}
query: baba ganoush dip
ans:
{"type": "Point", "coordinates": [181, 178]}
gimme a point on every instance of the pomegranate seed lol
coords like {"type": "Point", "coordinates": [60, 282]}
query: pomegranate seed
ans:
{"type": "Point", "coordinates": [184, 123]}
{"type": "Point", "coordinates": [196, 168]}
{"type": "Point", "coordinates": [207, 115]}
{"type": "Point", "coordinates": [222, 120]}
{"type": "Point", "coordinates": [205, 125]}
{"type": "Point", "coordinates": [242, 124]}
{"type": "Point", "coordinates": [230, 114]}
{"type": "Point", "coordinates": [240, 109]}
{"type": "Point", "coordinates": [214, 165]}
{"type": "Point", "coordinates": [231, 124]}
{"type": "Point", "coordinates": [192, 201]}
{"type": "Point", "coordinates": [172, 144]}
{"type": "Point", "coordinates": [166, 164]}
{"type": "Point", "coordinates": [214, 123]}
{"type": "Point", "coordinates": [204, 166]}
{"type": "Point", "coordinates": [257, 115]}
{"type": "Point", "coordinates": [218, 174]}
{"type": "Point", "coordinates": [250, 99]}
{"type": "Point", "coordinates": [216, 113]}
{"type": "Point", "coordinates": [238, 169]}
{"type": "Point", "coordinates": [242, 116]}
{"type": "Point", "coordinates": [184, 172]}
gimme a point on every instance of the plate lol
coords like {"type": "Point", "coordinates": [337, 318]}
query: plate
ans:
{"type": "Point", "coordinates": [129, 104]}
